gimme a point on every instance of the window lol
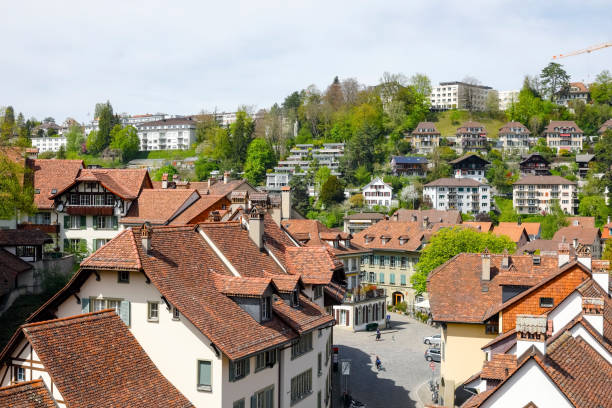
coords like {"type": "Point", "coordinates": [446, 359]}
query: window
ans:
{"type": "Point", "coordinates": [99, 243]}
{"type": "Point", "coordinates": [371, 260]}
{"type": "Point", "coordinates": [176, 315]}
{"type": "Point", "coordinates": [381, 277]}
{"type": "Point", "coordinates": [393, 262]}
{"type": "Point", "coordinates": [403, 280]}
{"type": "Point", "coordinates": [301, 386]}
{"type": "Point", "coordinates": [266, 305]}
{"type": "Point", "coordinates": [204, 376]}
{"type": "Point", "coordinates": [319, 364]}
{"type": "Point", "coordinates": [404, 262]}
{"type": "Point", "coordinates": [547, 302]}
{"type": "Point", "coordinates": [263, 398]}
{"type": "Point", "coordinates": [20, 374]}
{"type": "Point", "coordinates": [302, 345]}
{"type": "Point", "coordinates": [372, 277]}
{"type": "Point", "coordinates": [265, 359]}
{"type": "Point", "coordinates": [26, 251]}
{"type": "Point", "coordinates": [364, 260]}
{"type": "Point", "coordinates": [387, 260]}
{"type": "Point", "coordinates": [239, 369]}
{"type": "Point", "coordinates": [104, 222]}
{"type": "Point", "coordinates": [295, 299]}
{"type": "Point", "coordinates": [392, 279]}
{"type": "Point", "coordinates": [238, 404]}
{"type": "Point", "coordinates": [153, 312]}
{"type": "Point", "coordinates": [376, 260]}
{"type": "Point", "coordinates": [318, 291]}
{"type": "Point", "coordinates": [123, 277]}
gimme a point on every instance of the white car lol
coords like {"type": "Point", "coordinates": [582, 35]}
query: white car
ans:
{"type": "Point", "coordinates": [435, 339]}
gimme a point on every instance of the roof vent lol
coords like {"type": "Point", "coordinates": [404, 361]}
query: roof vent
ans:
{"type": "Point", "coordinates": [485, 288]}
{"type": "Point", "coordinates": [536, 259]}
{"type": "Point", "coordinates": [54, 191]}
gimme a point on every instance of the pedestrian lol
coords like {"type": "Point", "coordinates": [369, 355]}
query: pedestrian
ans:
{"type": "Point", "coordinates": [378, 363]}
{"type": "Point", "coordinates": [377, 334]}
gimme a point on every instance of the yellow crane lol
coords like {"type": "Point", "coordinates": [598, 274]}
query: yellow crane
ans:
{"type": "Point", "coordinates": [587, 50]}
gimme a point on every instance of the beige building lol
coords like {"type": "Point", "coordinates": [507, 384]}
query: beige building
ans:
{"type": "Point", "coordinates": [564, 135]}
{"type": "Point", "coordinates": [425, 138]}
{"type": "Point", "coordinates": [536, 194]}
{"type": "Point", "coordinates": [514, 139]}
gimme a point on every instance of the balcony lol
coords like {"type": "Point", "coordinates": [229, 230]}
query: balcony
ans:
{"type": "Point", "coordinates": [89, 210]}
{"type": "Point", "coordinates": [48, 228]}
{"type": "Point", "coordinates": [362, 296]}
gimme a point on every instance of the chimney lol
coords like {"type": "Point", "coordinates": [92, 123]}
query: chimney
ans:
{"type": "Point", "coordinates": [425, 222]}
{"type": "Point", "coordinates": [226, 177]}
{"type": "Point", "coordinates": [584, 255]}
{"type": "Point", "coordinates": [505, 260]}
{"type": "Point", "coordinates": [600, 270]}
{"type": "Point", "coordinates": [145, 235]}
{"type": "Point", "coordinates": [165, 180]}
{"type": "Point", "coordinates": [214, 216]}
{"type": "Point", "coordinates": [413, 218]}
{"type": "Point", "coordinates": [486, 265]}
{"type": "Point", "coordinates": [211, 181]}
{"type": "Point", "coordinates": [256, 226]}
{"type": "Point", "coordinates": [564, 253]}
{"type": "Point", "coordinates": [530, 331]}
{"type": "Point", "coordinates": [592, 311]}
{"type": "Point", "coordinates": [286, 203]}
{"type": "Point", "coordinates": [575, 243]}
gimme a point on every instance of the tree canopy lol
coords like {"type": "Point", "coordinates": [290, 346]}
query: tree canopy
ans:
{"type": "Point", "coordinates": [260, 156]}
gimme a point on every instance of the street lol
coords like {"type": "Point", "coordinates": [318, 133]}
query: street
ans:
{"type": "Point", "coordinates": [401, 351]}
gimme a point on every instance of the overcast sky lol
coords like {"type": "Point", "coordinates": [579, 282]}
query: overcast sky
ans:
{"type": "Point", "coordinates": [179, 57]}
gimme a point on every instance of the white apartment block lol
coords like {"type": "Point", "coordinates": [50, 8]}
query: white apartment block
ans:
{"type": "Point", "coordinates": [507, 98]}
{"type": "Point", "coordinates": [537, 194]}
{"type": "Point", "coordinates": [49, 144]}
{"type": "Point", "coordinates": [465, 194]}
{"type": "Point", "coordinates": [167, 134]}
{"type": "Point", "coordinates": [377, 192]}
{"type": "Point", "coordinates": [459, 95]}
{"type": "Point", "coordinates": [564, 135]}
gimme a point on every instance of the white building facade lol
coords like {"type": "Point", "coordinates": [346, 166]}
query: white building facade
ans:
{"type": "Point", "coordinates": [507, 98]}
{"type": "Point", "coordinates": [459, 95]}
{"type": "Point", "coordinates": [377, 192]}
{"type": "Point", "coordinates": [49, 144]}
{"type": "Point", "coordinates": [537, 194]}
{"type": "Point", "coordinates": [167, 134]}
{"type": "Point", "coordinates": [466, 195]}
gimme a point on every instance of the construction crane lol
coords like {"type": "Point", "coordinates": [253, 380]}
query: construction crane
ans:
{"type": "Point", "coordinates": [587, 50]}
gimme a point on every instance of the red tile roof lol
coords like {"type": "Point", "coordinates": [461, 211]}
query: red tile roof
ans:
{"type": "Point", "coordinates": [200, 206]}
{"type": "Point", "coordinates": [532, 228]}
{"type": "Point", "coordinates": [512, 231]}
{"type": "Point", "coordinates": [125, 183]}
{"type": "Point", "coordinates": [123, 254]}
{"type": "Point", "coordinates": [158, 206]}
{"type": "Point", "coordinates": [52, 175]}
{"type": "Point", "coordinates": [585, 235]}
{"type": "Point", "coordinates": [499, 367]}
{"type": "Point", "coordinates": [419, 130]}
{"type": "Point", "coordinates": [314, 264]}
{"type": "Point", "coordinates": [30, 394]}
{"type": "Point", "coordinates": [403, 236]}
{"type": "Point", "coordinates": [607, 125]}
{"type": "Point", "coordinates": [11, 237]}
{"type": "Point", "coordinates": [313, 233]}
{"type": "Point", "coordinates": [581, 222]}
{"type": "Point", "coordinates": [482, 226]}
{"type": "Point", "coordinates": [433, 216]}
{"type": "Point", "coordinates": [80, 353]}
{"type": "Point", "coordinates": [243, 287]}
{"type": "Point", "coordinates": [510, 125]}
{"type": "Point", "coordinates": [562, 124]}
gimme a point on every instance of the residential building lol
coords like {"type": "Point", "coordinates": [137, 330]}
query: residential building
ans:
{"type": "Point", "coordinates": [246, 305]}
{"type": "Point", "coordinates": [583, 161]}
{"type": "Point", "coordinates": [49, 143]}
{"type": "Point", "coordinates": [470, 166]}
{"type": "Point", "coordinates": [425, 138]}
{"type": "Point", "coordinates": [464, 194]}
{"type": "Point", "coordinates": [515, 232]}
{"type": "Point", "coordinates": [579, 221]}
{"type": "Point", "coordinates": [47, 129]}
{"type": "Point", "coordinates": [410, 166]}
{"type": "Point", "coordinates": [482, 226]}
{"type": "Point", "coordinates": [548, 247]}
{"type": "Point", "coordinates": [471, 137]}
{"type": "Point", "coordinates": [577, 91]}
{"type": "Point", "coordinates": [563, 135]}
{"type": "Point", "coordinates": [361, 305]}
{"type": "Point", "coordinates": [507, 99]}
{"type": "Point", "coordinates": [166, 134]}
{"type": "Point", "coordinates": [73, 358]}
{"type": "Point", "coordinates": [536, 194]}
{"type": "Point", "coordinates": [514, 139]}
{"type": "Point", "coordinates": [606, 126]}
{"type": "Point", "coordinates": [354, 223]}
{"type": "Point", "coordinates": [533, 229]}
{"type": "Point", "coordinates": [395, 247]}
{"type": "Point", "coordinates": [535, 164]}
{"type": "Point", "coordinates": [589, 237]}
{"type": "Point", "coordinates": [478, 297]}
{"type": "Point", "coordinates": [377, 192]}
{"type": "Point", "coordinates": [427, 218]}
{"type": "Point", "coordinates": [459, 95]}
{"type": "Point", "coordinates": [299, 161]}
{"type": "Point", "coordinates": [133, 120]}
{"type": "Point", "coordinates": [27, 394]}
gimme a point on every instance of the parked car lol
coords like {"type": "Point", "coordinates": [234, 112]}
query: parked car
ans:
{"type": "Point", "coordinates": [433, 354]}
{"type": "Point", "coordinates": [435, 339]}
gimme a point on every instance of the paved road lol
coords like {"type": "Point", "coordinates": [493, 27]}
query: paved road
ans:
{"type": "Point", "coordinates": [401, 351]}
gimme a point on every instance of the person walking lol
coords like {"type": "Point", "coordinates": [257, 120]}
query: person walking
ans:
{"type": "Point", "coordinates": [377, 334]}
{"type": "Point", "coordinates": [378, 363]}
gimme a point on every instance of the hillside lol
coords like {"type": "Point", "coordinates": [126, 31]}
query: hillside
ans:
{"type": "Point", "coordinates": [447, 128]}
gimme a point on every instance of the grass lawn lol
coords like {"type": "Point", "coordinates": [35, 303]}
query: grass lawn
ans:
{"type": "Point", "coordinates": [90, 159]}
{"type": "Point", "coordinates": [447, 128]}
{"type": "Point", "coordinates": [166, 154]}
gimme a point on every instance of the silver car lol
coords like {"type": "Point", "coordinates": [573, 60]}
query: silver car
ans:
{"type": "Point", "coordinates": [433, 354]}
{"type": "Point", "coordinates": [434, 340]}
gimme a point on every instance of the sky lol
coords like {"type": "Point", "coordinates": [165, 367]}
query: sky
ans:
{"type": "Point", "coordinates": [181, 57]}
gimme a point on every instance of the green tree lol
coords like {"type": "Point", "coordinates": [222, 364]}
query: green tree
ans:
{"type": "Point", "coordinates": [125, 139]}
{"type": "Point", "coordinates": [7, 128]}
{"type": "Point", "coordinates": [203, 168]}
{"type": "Point", "coordinates": [553, 221]}
{"type": "Point", "coordinates": [450, 242]}
{"type": "Point", "coordinates": [542, 148]}
{"type": "Point", "coordinates": [601, 89]}
{"type": "Point", "coordinates": [106, 122]}
{"type": "Point", "coordinates": [299, 195]}
{"type": "Point", "coordinates": [421, 83]}
{"type": "Point", "coordinates": [554, 80]}
{"type": "Point", "coordinates": [356, 201]}
{"type": "Point", "coordinates": [171, 170]}
{"type": "Point", "coordinates": [332, 192]}
{"type": "Point", "coordinates": [74, 139]}
{"type": "Point", "coordinates": [594, 206]}
{"type": "Point", "coordinates": [362, 175]}
{"type": "Point", "coordinates": [501, 177]}
{"type": "Point", "coordinates": [15, 195]}
{"type": "Point", "coordinates": [241, 133]}
{"type": "Point", "coordinates": [61, 153]}
{"type": "Point", "coordinates": [260, 157]}
{"type": "Point", "coordinates": [603, 150]}
{"type": "Point", "coordinates": [218, 147]}
{"type": "Point", "coordinates": [321, 176]}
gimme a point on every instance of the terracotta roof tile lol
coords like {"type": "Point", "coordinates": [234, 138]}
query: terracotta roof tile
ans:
{"type": "Point", "coordinates": [585, 235]}
{"type": "Point", "coordinates": [10, 237]}
{"type": "Point", "coordinates": [30, 394]}
{"type": "Point", "coordinates": [433, 216]}
{"type": "Point", "coordinates": [80, 351]}
{"type": "Point", "coordinates": [512, 231]}
{"type": "Point", "coordinates": [122, 254]}
{"type": "Point", "coordinates": [507, 128]}
{"type": "Point", "coordinates": [314, 264]}
{"type": "Point", "coordinates": [313, 233]}
{"type": "Point", "coordinates": [588, 222]}
{"type": "Point", "coordinates": [306, 317]}
{"type": "Point", "coordinates": [562, 124]}
{"type": "Point", "coordinates": [370, 238]}
{"type": "Point", "coordinates": [545, 246]}
{"type": "Point", "coordinates": [482, 226]}
{"type": "Point", "coordinates": [51, 174]}
{"type": "Point", "coordinates": [125, 183]}
{"type": "Point", "coordinates": [243, 287]}
{"type": "Point", "coordinates": [532, 228]}
{"type": "Point", "coordinates": [204, 203]}
{"type": "Point", "coordinates": [499, 367]}
{"type": "Point", "coordinates": [157, 206]}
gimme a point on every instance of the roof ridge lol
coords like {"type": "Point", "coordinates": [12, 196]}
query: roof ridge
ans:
{"type": "Point", "coordinates": [98, 314]}
{"type": "Point", "coordinates": [22, 384]}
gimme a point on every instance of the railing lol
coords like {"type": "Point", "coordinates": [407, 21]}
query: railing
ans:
{"type": "Point", "coordinates": [363, 297]}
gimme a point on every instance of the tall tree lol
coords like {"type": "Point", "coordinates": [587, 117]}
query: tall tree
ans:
{"type": "Point", "coordinates": [299, 195]}
{"type": "Point", "coordinates": [421, 83]}
{"type": "Point", "coordinates": [16, 195]}
{"type": "Point", "coordinates": [601, 89]}
{"type": "Point", "coordinates": [554, 79]}
{"type": "Point", "coordinates": [334, 96]}
{"type": "Point", "coordinates": [332, 191]}
{"type": "Point", "coordinates": [7, 130]}
{"type": "Point", "coordinates": [241, 134]}
{"type": "Point", "coordinates": [260, 157]}
{"type": "Point", "coordinates": [74, 139]}
{"type": "Point", "coordinates": [106, 121]}
{"type": "Point", "coordinates": [126, 140]}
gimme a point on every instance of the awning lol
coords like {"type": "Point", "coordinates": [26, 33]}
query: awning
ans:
{"type": "Point", "coordinates": [423, 304]}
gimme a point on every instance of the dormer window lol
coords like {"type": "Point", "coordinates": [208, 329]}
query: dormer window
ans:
{"type": "Point", "coordinates": [266, 308]}
{"type": "Point", "coordinates": [384, 240]}
{"type": "Point", "coordinates": [295, 299]}
{"type": "Point", "coordinates": [336, 243]}
{"type": "Point", "coordinates": [402, 241]}
{"type": "Point", "coordinates": [347, 243]}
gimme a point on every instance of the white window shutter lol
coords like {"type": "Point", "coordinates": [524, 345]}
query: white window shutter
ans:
{"type": "Point", "coordinates": [124, 312]}
{"type": "Point", "coordinates": [85, 305]}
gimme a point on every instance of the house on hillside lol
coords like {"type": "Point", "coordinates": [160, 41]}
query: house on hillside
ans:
{"type": "Point", "coordinates": [606, 126]}
{"type": "Point", "coordinates": [377, 192]}
{"type": "Point", "coordinates": [409, 166]}
{"type": "Point", "coordinates": [577, 236]}
{"type": "Point", "coordinates": [533, 229]}
{"type": "Point", "coordinates": [537, 194]}
{"type": "Point", "coordinates": [583, 161]}
{"type": "Point", "coordinates": [471, 137]}
{"type": "Point", "coordinates": [535, 164]}
{"type": "Point", "coordinates": [470, 166]}
{"type": "Point", "coordinates": [516, 233]}
{"type": "Point", "coordinates": [171, 133]}
{"type": "Point", "coordinates": [463, 194]}
{"type": "Point", "coordinates": [514, 138]}
{"type": "Point", "coordinates": [425, 138]}
{"type": "Point", "coordinates": [577, 91]}
{"type": "Point", "coordinates": [564, 135]}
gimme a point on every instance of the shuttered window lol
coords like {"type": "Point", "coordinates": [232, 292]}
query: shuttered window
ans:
{"type": "Point", "coordinates": [263, 398]}
{"type": "Point", "coordinates": [204, 375]}
{"type": "Point", "coordinates": [239, 369]}
{"type": "Point", "coordinates": [301, 386]}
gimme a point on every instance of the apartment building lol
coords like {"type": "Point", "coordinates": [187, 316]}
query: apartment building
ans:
{"type": "Point", "coordinates": [353, 223]}
{"type": "Point", "coordinates": [577, 91]}
{"type": "Point", "coordinates": [459, 95]}
{"type": "Point", "coordinates": [246, 305]}
{"type": "Point", "coordinates": [132, 120]}
{"type": "Point", "coordinates": [514, 139]}
{"type": "Point", "coordinates": [377, 192]}
{"type": "Point", "coordinates": [564, 135]}
{"type": "Point", "coordinates": [536, 194]}
{"type": "Point", "coordinates": [409, 166]}
{"type": "Point", "coordinates": [465, 194]}
{"type": "Point", "coordinates": [174, 133]}
{"type": "Point", "coordinates": [49, 143]}
{"type": "Point", "coordinates": [470, 166]}
{"type": "Point", "coordinates": [471, 137]}
{"type": "Point", "coordinates": [507, 98]}
{"type": "Point", "coordinates": [425, 138]}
